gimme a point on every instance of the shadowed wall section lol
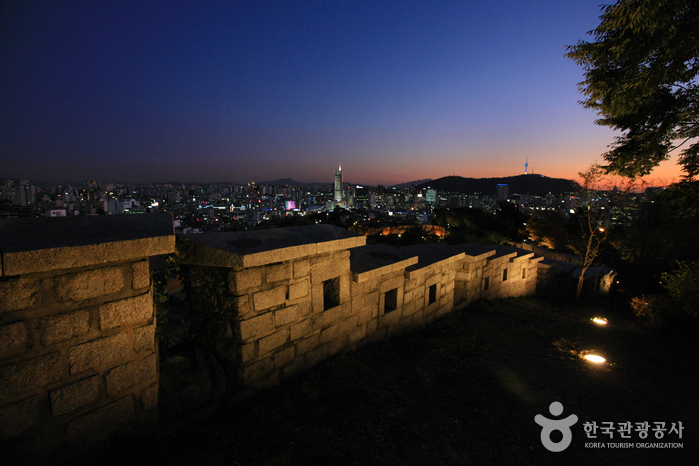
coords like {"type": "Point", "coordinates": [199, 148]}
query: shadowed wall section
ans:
{"type": "Point", "coordinates": [78, 360]}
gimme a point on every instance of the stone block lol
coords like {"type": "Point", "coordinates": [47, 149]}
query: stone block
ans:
{"type": "Point", "coordinates": [298, 290]}
{"type": "Point", "coordinates": [331, 316]}
{"type": "Point", "coordinates": [31, 374]}
{"type": "Point", "coordinates": [75, 395]}
{"type": "Point", "coordinates": [144, 338]}
{"type": "Point", "coordinates": [149, 397]}
{"type": "Point", "coordinates": [364, 315]}
{"type": "Point", "coordinates": [348, 324]}
{"type": "Point", "coordinates": [245, 279]}
{"type": "Point", "coordinates": [390, 318]}
{"type": "Point", "coordinates": [300, 330]}
{"type": "Point", "coordinates": [337, 345]}
{"type": "Point", "coordinates": [130, 374]}
{"type": "Point", "coordinates": [286, 315]}
{"type": "Point", "coordinates": [102, 421]}
{"type": "Point", "coordinates": [126, 311]}
{"type": "Point", "coordinates": [302, 268]}
{"type": "Point", "coordinates": [305, 308]}
{"type": "Point", "coordinates": [18, 417]}
{"type": "Point", "coordinates": [14, 339]}
{"type": "Point", "coordinates": [315, 356]}
{"type": "Point", "coordinates": [328, 270]}
{"type": "Point", "coordinates": [248, 352]}
{"type": "Point", "coordinates": [89, 284]}
{"type": "Point", "coordinates": [297, 365]}
{"type": "Point", "coordinates": [275, 340]}
{"type": "Point", "coordinates": [19, 293]}
{"type": "Point", "coordinates": [307, 344]}
{"type": "Point", "coordinates": [357, 303]}
{"type": "Point", "coordinates": [372, 299]}
{"type": "Point", "coordinates": [278, 272]}
{"type": "Point", "coordinates": [62, 327]}
{"type": "Point", "coordinates": [371, 326]}
{"type": "Point", "coordinates": [140, 275]}
{"type": "Point", "coordinates": [97, 353]}
{"type": "Point", "coordinates": [255, 372]}
{"type": "Point", "coordinates": [329, 334]}
{"type": "Point", "coordinates": [359, 333]}
{"type": "Point", "coordinates": [269, 298]}
{"type": "Point", "coordinates": [284, 356]}
{"type": "Point", "coordinates": [257, 326]}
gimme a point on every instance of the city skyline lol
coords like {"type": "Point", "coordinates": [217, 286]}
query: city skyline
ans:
{"type": "Point", "coordinates": [263, 91]}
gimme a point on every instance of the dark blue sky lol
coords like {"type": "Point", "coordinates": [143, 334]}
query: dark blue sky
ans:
{"type": "Point", "coordinates": [251, 90]}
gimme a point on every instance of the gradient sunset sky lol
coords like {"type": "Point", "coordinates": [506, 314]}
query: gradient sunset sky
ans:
{"type": "Point", "coordinates": [240, 91]}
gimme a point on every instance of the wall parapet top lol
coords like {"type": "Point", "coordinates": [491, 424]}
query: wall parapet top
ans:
{"type": "Point", "coordinates": [32, 245]}
{"type": "Point", "coordinates": [372, 261]}
{"type": "Point", "coordinates": [243, 249]}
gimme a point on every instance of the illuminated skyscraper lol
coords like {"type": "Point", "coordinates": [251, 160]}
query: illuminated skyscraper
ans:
{"type": "Point", "coordinates": [338, 197]}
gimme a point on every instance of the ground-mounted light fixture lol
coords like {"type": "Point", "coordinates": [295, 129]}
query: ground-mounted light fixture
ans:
{"type": "Point", "coordinates": [600, 320]}
{"type": "Point", "coordinates": [594, 358]}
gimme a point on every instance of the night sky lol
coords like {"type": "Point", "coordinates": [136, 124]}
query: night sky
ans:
{"type": "Point", "coordinates": [241, 91]}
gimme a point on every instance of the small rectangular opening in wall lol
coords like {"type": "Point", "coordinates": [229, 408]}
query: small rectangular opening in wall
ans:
{"type": "Point", "coordinates": [390, 301]}
{"type": "Point", "coordinates": [486, 283]}
{"type": "Point", "coordinates": [331, 293]}
{"type": "Point", "coordinates": [504, 275]}
{"type": "Point", "coordinates": [433, 294]}
{"type": "Point", "coordinates": [524, 273]}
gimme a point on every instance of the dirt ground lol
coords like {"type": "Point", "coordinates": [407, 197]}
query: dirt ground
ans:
{"type": "Point", "coordinates": [465, 390]}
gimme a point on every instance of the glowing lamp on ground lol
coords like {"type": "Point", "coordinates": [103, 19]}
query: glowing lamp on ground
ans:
{"type": "Point", "coordinates": [594, 358]}
{"type": "Point", "coordinates": [599, 320]}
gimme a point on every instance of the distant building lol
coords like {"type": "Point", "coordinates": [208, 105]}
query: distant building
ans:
{"type": "Point", "coordinates": [338, 195]}
{"type": "Point", "coordinates": [502, 192]}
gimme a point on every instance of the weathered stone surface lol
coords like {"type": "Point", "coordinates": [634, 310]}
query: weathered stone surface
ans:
{"type": "Point", "coordinates": [278, 272]}
{"type": "Point", "coordinates": [302, 268]}
{"type": "Point", "coordinates": [309, 343]}
{"type": "Point", "coordinates": [101, 422]}
{"type": "Point", "coordinates": [73, 396]}
{"type": "Point", "coordinates": [284, 356]}
{"type": "Point", "coordinates": [130, 374]}
{"type": "Point", "coordinates": [329, 334]}
{"type": "Point", "coordinates": [298, 290]}
{"type": "Point", "coordinates": [30, 374]}
{"type": "Point", "coordinates": [18, 417]}
{"type": "Point", "coordinates": [144, 338]}
{"type": "Point", "coordinates": [98, 352]}
{"type": "Point", "coordinates": [269, 298]}
{"type": "Point", "coordinates": [149, 398]}
{"type": "Point", "coordinates": [89, 284]}
{"type": "Point", "coordinates": [125, 311]}
{"type": "Point", "coordinates": [286, 315]}
{"type": "Point", "coordinates": [245, 279]}
{"type": "Point", "coordinates": [300, 330]}
{"type": "Point", "coordinates": [14, 339]}
{"type": "Point", "coordinates": [271, 342]}
{"type": "Point", "coordinates": [18, 293]}
{"type": "Point", "coordinates": [257, 326]}
{"type": "Point", "coordinates": [140, 275]}
{"type": "Point", "coordinates": [62, 327]}
{"type": "Point", "coordinates": [348, 324]}
{"type": "Point", "coordinates": [256, 371]}
{"type": "Point", "coordinates": [32, 245]}
{"type": "Point", "coordinates": [328, 270]}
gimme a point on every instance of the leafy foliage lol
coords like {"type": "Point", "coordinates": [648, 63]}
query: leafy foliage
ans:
{"type": "Point", "coordinates": [683, 286]}
{"type": "Point", "coordinates": [641, 78]}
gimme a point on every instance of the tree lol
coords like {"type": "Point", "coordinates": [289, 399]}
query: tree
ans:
{"type": "Point", "coordinates": [591, 221]}
{"type": "Point", "coordinates": [641, 78]}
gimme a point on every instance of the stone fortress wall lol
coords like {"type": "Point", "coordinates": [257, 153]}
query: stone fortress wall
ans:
{"type": "Point", "coordinates": [78, 353]}
{"type": "Point", "coordinates": [303, 294]}
{"type": "Point", "coordinates": [78, 360]}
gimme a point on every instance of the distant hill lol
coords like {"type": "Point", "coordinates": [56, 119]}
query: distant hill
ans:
{"type": "Point", "coordinates": [537, 185]}
{"type": "Point", "coordinates": [410, 184]}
